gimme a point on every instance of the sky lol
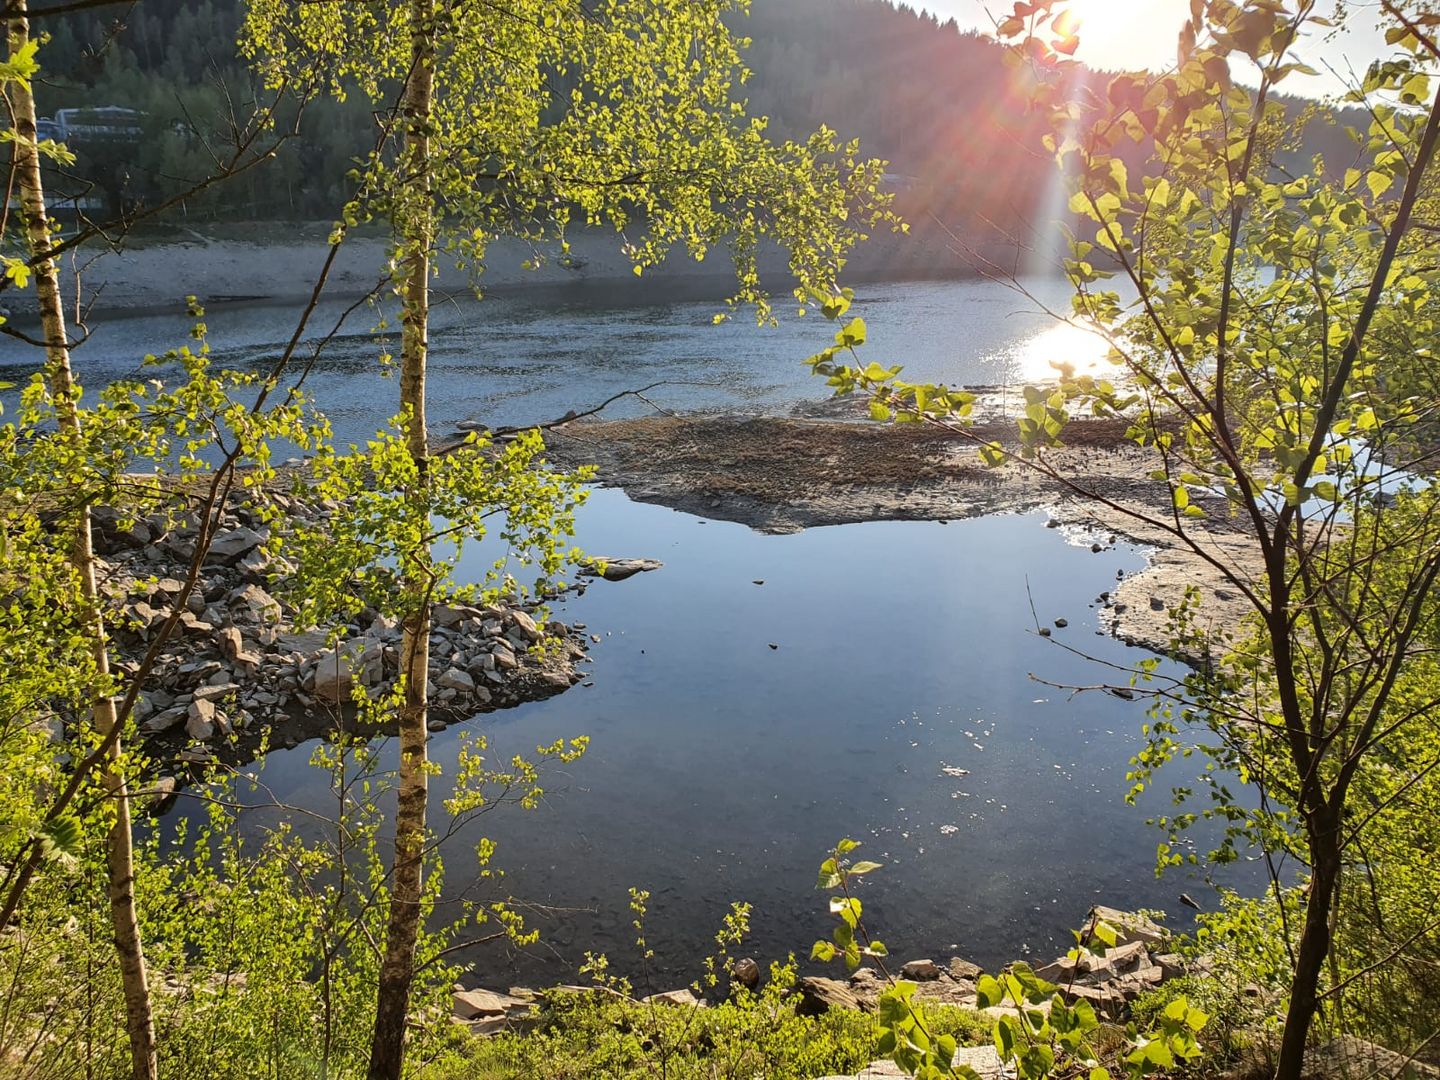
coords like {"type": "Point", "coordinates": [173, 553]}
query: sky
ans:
{"type": "Point", "coordinates": [1118, 34]}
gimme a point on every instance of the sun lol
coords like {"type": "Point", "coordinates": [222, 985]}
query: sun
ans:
{"type": "Point", "coordinates": [1118, 35]}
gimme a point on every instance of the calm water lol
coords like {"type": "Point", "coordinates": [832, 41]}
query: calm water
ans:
{"type": "Point", "coordinates": [533, 356]}
{"type": "Point", "coordinates": [899, 707]}
{"type": "Point", "coordinates": [722, 769]}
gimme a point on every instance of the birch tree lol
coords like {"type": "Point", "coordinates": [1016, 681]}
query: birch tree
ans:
{"type": "Point", "coordinates": [521, 120]}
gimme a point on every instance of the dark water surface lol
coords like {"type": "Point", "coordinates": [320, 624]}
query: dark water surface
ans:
{"type": "Point", "coordinates": [722, 769]}
{"type": "Point", "coordinates": [531, 356]}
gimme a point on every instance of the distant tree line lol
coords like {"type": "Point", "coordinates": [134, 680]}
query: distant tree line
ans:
{"type": "Point", "coordinates": [940, 103]}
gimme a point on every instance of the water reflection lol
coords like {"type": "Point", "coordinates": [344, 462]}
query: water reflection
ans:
{"type": "Point", "coordinates": [899, 709]}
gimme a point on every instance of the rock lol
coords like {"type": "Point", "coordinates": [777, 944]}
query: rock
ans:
{"type": "Point", "coordinates": [818, 995]}
{"type": "Point", "coordinates": [449, 616]}
{"type": "Point", "coordinates": [921, 971]}
{"type": "Point", "coordinates": [485, 1026]}
{"type": "Point", "coordinates": [159, 792]}
{"type": "Point", "coordinates": [683, 998]}
{"type": "Point", "coordinates": [252, 604]}
{"type": "Point", "coordinates": [504, 657]}
{"type": "Point", "coordinates": [1132, 985]}
{"type": "Point", "coordinates": [227, 547]}
{"type": "Point", "coordinates": [164, 721]}
{"type": "Point", "coordinates": [335, 675]}
{"type": "Point", "coordinates": [619, 569]}
{"type": "Point", "coordinates": [1108, 1003]}
{"type": "Point", "coordinates": [525, 626]}
{"type": "Point", "coordinates": [455, 679]}
{"type": "Point", "coordinates": [230, 642]}
{"type": "Point", "coordinates": [1130, 926]}
{"type": "Point", "coordinates": [984, 1061]}
{"type": "Point", "coordinates": [308, 645]}
{"type": "Point", "coordinates": [964, 970]}
{"type": "Point", "coordinates": [472, 1004]}
{"type": "Point", "coordinates": [201, 720]}
{"type": "Point", "coordinates": [217, 691]}
{"type": "Point", "coordinates": [1132, 956]}
{"type": "Point", "coordinates": [255, 564]}
{"type": "Point", "coordinates": [746, 973]}
{"type": "Point", "coordinates": [1171, 965]}
{"type": "Point", "coordinates": [1349, 1056]}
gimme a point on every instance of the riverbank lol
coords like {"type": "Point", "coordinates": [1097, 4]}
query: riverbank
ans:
{"type": "Point", "coordinates": [277, 263]}
{"type": "Point", "coordinates": [236, 675]}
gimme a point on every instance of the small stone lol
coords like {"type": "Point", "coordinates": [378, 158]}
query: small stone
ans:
{"type": "Point", "coordinates": [921, 970]}
{"type": "Point", "coordinates": [455, 679]}
{"type": "Point", "coordinates": [746, 973]}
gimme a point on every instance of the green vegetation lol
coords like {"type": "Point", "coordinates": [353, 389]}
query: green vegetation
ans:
{"type": "Point", "coordinates": [1271, 353]}
{"type": "Point", "coordinates": [1271, 328]}
{"type": "Point", "coordinates": [594, 1035]}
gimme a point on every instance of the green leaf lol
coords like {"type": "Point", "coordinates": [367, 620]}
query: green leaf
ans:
{"type": "Point", "coordinates": [861, 868]}
{"type": "Point", "coordinates": [988, 992]}
{"type": "Point", "coordinates": [1105, 933]}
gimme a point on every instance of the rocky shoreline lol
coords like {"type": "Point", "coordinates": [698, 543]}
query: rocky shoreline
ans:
{"type": "Point", "coordinates": [238, 676]}
{"type": "Point", "coordinates": [1142, 959]}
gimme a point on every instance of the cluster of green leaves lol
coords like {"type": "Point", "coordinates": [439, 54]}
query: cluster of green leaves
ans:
{"type": "Point", "coordinates": [473, 494]}
{"type": "Point", "coordinates": [623, 116]}
{"type": "Point", "coordinates": [20, 67]}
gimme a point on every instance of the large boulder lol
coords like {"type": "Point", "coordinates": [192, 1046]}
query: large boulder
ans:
{"type": "Point", "coordinates": [229, 546]}
{"type": "Point", "coordinates": [818, 995]}
{"type": "Point", "coordinates": [334, 674]}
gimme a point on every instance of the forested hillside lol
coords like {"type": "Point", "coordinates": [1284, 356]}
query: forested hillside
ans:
{"type": "Point", "coordinates": [937, 102]}
{"type": "Point", "coordinates": [920, 93]}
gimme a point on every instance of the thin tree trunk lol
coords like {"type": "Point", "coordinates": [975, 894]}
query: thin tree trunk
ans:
{"type": "Point", "coordinates": [119, 853]}
{"type": "Point", "coordinates": [1314, 945]}
{"type": "Point", "coordinates": [415, 227]}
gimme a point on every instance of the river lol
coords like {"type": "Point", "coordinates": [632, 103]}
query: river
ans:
{"type": "Point", "coordinates": [885, 682]}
